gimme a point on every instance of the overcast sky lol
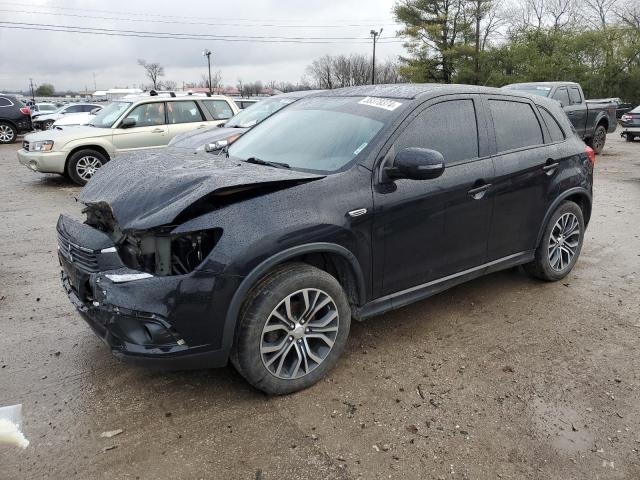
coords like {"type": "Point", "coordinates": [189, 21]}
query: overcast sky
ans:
{"type": "Point", "coordinates": [69, 60]}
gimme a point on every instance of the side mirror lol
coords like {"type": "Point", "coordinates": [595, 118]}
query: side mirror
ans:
{"type": "Point", "coordinates": [416, 164]}
{"type": "Point", "coordinates": [214, 147]}
{"type": "Point", "coordinates": [128, 122]}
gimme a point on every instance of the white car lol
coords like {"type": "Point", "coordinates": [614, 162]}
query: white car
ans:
{"type": "Point", "coordinates": [45, 121]}
{"type": "Point", "coordinates": [41, 109]}
{"type": "Point", "coordinates": [123, 126]}
{"type": "Point", "coordinates": [76, 119]}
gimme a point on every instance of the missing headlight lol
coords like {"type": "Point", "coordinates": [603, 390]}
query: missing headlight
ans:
{"type": "Point", "coordinates": [161, 254]}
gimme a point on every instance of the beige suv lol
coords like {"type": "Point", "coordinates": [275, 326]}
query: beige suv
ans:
{"type": "Point", "coordinates": [126, 125]}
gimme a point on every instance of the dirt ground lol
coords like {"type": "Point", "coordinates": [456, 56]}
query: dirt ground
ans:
{"type": "Point", "coordinates": [504, 377]}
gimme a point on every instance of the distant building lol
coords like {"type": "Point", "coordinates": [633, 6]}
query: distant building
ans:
{"type": "Point", "coordinates": [114, 93]}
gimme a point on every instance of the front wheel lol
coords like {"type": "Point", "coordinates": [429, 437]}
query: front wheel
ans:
{"type": "Point", "coordinates": [560, 245]}
{"type": "Point", "coordinates": [598, 140]}
{"type": "Point", "coordinates": [8, 133]}
{"type": "Point", "coordinates": [83, 165]}
{"type": "Point", "coordinates": [629, 138]}
{"type": "Point", "coordinates": [292, 328]}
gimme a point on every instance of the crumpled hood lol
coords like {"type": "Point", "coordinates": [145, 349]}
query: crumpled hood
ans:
{"type": "Point", "coordinates": [152, 190]}
{"type": "Point", "coordinates": [197, 139]}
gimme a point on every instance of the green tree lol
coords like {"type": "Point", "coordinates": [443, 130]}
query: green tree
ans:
{"type": "Point", "coordinates": [45, 90]}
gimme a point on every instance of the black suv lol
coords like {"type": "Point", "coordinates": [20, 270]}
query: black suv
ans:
{"type": "Point", "coordinates": [345, 204]}
{"type": "Point", "coordinates": [15, 118]}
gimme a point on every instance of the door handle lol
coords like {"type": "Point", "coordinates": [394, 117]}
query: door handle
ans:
{"type": "Point", "coordinates": [202, 126]}
{"type": "Point", "coordinates": [478, 192]}
{"type": "Point", "coordinates": [550, 166]}
{"type": "Point", "coordinates": [157, 130]}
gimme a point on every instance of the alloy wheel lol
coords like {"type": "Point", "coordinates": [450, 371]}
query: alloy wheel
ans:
{"type": "Point", "coordinates": [564, 241]}
{"type": "Point", "coordinates": [6, 133]}
{"type": "Point", "coordinates": [87, 166]}
{"type": "Point", "coordinates": [299, 333]}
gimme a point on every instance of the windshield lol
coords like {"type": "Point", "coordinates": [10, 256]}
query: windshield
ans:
{"type": "Point", "coordinates": [531, 89]}
{"type": "Point", "coordinates": [106, 117]}
{"type": "Point", "coordinates": [257, 112]}
{"type": "Point", "coordinates": [321, 134]}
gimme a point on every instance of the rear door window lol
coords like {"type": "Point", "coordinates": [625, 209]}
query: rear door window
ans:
{"type": "Point", "coordinates": [515, 124]}
{"type": "Point", "coordinates": [219, 109]}
{"type": "Point", "coordinates": [574, 95]}
{"type": "Point", "coordinates": [183, 112]}
{"type": "Point", "coordinates": [74, 109]}
{"type": "Point", "coordinates": [449, 127]}
{"type": "Point", "coordinates": [555, 130]}
{"type": "Point", "coordinates": [562, 96]}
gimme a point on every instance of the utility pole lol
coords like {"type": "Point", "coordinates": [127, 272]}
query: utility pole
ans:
{"type": "Point", "coordinates": [95, 85]}
{"type": "Point", "coordinates": [207, 53]}
{"type": "Point", "coordinates": [33, 98]}
{"type": "Point", "coordinates": [375, 36]}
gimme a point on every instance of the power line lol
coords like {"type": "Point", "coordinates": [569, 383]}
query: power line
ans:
{"type": "Point", "coordinates": [178, 22]}
{"type": "Point", "coordinates": [181, 36]}
{"type": "Point", "coordinates": [146, 15]}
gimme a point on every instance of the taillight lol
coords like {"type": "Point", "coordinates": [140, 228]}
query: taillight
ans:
{"type": "Point", "coordinates": [626, 117]}
{"type": "Point", "coordinates": [25, 111]}
{"type": "Point", "coordinates": [591, 155]}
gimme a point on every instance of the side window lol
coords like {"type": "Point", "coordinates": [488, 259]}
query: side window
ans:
{"type": "Point", "coordinates": [74, 109]}
{"type": "Point", "coordinates": [515, 124]}
{"type": "Point", "coordinates": [148, 114]}
{"type": "Point", "coordinates": [183, 112]}
{"type": "Point", "coordinates": [555, 130]}
{"type": "Point", "coordinates": [219, 109]}
{"type": "Point", "coordinates": [562, 96]}
{"type": "Point", "coordinates": [574, 95]}
{"type": "Point", "coordinates": [448, 127]}
{"type": "Point", "coordinates": [5, 102]}
{"type": "Point", "coordinates": [87, 108]}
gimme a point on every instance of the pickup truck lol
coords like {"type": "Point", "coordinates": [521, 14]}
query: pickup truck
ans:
{"type": "Point", "coordinates": [592, 120]}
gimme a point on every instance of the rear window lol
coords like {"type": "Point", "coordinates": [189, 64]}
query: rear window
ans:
{"type": "Point", "coordinates": [555, 130]}
{"type": "Point", "coordinates": [516, 125]}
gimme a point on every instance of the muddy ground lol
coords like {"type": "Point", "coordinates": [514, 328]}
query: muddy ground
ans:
{"type": "Point", "coordinates": [504, 377]}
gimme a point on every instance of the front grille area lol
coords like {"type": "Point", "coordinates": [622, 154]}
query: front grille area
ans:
{"type": "Point", "coordinates": [25, 145]}
{"type": "Point", "coordinates": [83, 258]}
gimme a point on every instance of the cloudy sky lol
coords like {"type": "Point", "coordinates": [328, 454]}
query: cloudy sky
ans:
{"type": "Point", "coordinates": [69, 60]}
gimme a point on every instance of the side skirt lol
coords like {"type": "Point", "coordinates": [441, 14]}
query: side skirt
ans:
{"type": "Point", "coordinates": [420, 292]}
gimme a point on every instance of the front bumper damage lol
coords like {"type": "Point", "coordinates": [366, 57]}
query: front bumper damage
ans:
{"type": "Point", "coordinates": [167, 322]}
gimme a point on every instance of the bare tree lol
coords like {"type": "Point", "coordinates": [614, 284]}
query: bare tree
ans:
{"type": "Point", "coordinates": [600, 9]}
{"type": "Point", "coordinates": [629, 13]}
{"type": "Point", "coordinates": [321, 71]}
{"type": "Point", "coordinates": [561, 12]}
{"type": "Point", "coordinates": [153, 71]}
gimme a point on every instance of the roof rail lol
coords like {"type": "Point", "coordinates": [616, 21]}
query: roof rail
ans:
{"type": "Point", "coordinates": [172, 94]}
{"type": "Point", "coordinates": [153, 93]}
{"type": "Point", "coordinates": [208, 94]}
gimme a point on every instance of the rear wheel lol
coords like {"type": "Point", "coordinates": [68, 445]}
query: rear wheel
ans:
{"type": "Point", "coordinates": [8, 133]}
{"type": "Point", "coordinates": [598, 140]}
{"type": "Point", "coordinates": [292, 329]}
{"type": "Point", "coordinates": [629, 138]}
{"type": "Point", "coordinates": [83, 165]}
{"type": "Point", "coordinates": [560, 245]}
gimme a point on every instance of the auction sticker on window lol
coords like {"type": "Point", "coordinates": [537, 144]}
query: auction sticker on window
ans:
{"type": "Point", "coordinates": [383, 103]}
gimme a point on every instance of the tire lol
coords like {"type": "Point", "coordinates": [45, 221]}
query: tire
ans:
{"type": "Point", "coordinates": [8, 133]}
{"type": "Point", "coordinates": [553, 264]}
{"type": "Point", "coordinates": [47, 125]}
{"type": "Point", "coordinates": [82, 165]}
{"type": "Point", "coordinates": [598, 140]}
{"type": "Point", "coordinates": [629, 138]}
{"type": "Point", "coordinates": [265, 325]}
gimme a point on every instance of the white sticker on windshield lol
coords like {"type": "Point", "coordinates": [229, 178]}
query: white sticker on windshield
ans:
{"type": "Point", "coordinates": [360, 148]}
{"type": "Point", "coordinates": [383, 103]}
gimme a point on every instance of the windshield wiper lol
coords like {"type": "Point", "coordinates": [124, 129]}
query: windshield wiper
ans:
{"type": "Point", "coordinates": [259, 161]}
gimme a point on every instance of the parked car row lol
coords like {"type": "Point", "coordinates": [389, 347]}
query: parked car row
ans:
{"type": "Point", "coordinates": [45, 120]}
{"type": "Point", "coordinates": [342, 205]}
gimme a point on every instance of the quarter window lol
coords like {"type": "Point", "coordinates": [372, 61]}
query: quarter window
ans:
{"type": "Point", "coordinates": [219, 109]}
{"type": "Point", "coordinates": [148, 114]}
{"type": "Point", "coordinates": [5, 102]}
{"type": "Point", "coordinates": [562, 96]}
{"type": "Point", "coordinates": [555, 130]}
{"type": "Point", "coordinates": [515, 124]}
{"type": "Point", "coordinates": [183, 112]}
{"type": "Point", "coordinates": [574, 95]}
{"type": "Point", "coordinates": [448, 127]}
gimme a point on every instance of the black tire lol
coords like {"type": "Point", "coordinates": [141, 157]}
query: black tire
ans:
{"type": "Point", "coordinates": [8, 133]}
{"type": "Point", "coordinates": [78, 160]}
{"type": "Point", "coordinates": [629, 138]}
{"type": "Point", "coordinates": [598, 140]}
{"type": "Point", "coordinates": [47, 125]}
{"type": "Point", "coordinates": [541, 267]}
{"type": "Point", "coordinates": [269, 295]}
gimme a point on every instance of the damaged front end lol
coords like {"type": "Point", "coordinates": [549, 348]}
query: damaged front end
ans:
{"type": "Point", "coordinates": [136, 289]}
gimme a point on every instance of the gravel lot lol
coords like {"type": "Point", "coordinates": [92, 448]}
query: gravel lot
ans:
{"type": "Point", "coordinates": [503, 377]}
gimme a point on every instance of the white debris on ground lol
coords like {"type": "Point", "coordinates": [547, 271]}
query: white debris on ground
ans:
{"type": "Point", "coordinates": [10, 432]}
